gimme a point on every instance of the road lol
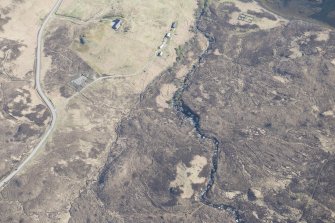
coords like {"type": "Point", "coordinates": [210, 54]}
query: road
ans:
{"type": "Point", "coordinates": [44, 98]}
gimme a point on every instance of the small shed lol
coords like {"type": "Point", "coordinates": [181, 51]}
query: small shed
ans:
{"type": "Point", "coordinates": [160, 53]}
{"type": "Point", "coordinates": [162, 46]}
{"type": "Point", "coordinates": [116, 23]}
{"type": "Point", "coordinates": [168, 35]}
{"type": "Point", "coordinates": [174, 25]}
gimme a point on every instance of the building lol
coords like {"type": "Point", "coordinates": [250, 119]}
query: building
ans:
{"type": "Point", "coordinates": [168, 35]}
{"type": "Point", "coordinates": [162, 46]}
{"type": "Point", "coordinates": [174, 25]}
{"type": "Point", "coordinates": [116, 23]}
{"type": "Point", "coordinates": [160, 53]}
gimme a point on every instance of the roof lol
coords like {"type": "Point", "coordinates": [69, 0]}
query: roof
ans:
{"type": "Point", "coordinates": [116, 23]}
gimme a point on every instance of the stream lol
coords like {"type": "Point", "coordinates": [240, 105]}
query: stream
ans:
{"type": "Point", "coordinates": [181, 107]}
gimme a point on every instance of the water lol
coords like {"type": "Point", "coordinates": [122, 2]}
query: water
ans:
{"type": "Point", "coordinates": [320, 10]}
{"type": "Point", "coordinates": [327, 13]}
{"type": "Point", "coordinates": [183, 108]}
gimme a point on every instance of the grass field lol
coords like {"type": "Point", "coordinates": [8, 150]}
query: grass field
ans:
{"type": "Point", "coordinates": [133, 46]}
{"type": "Point", "coordinates": [83, 9]}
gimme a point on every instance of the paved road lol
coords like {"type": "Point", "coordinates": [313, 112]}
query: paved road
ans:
{"type": "Point", "coordinates": [45, 99]}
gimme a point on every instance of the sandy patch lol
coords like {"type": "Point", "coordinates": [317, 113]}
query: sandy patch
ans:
{"type": "Point", "coordinates": [240, 83]}
{"type": "Point", "coordinates": [258, 193]}
{"type": "Point", "coordinates": [328, 113]}
{"type": "Point", "coordinates": [275, 184]}
{"type": "Point", "coordinates": [296, 53]}
{"type": "Point", "coordinates": [232, 194]}
{"type": "Point", "coordinates": [280, 79]}
{"type": "Point", "coordinates": [186, 176]}
{"type": "Point", "coordinates": [183, 71]}
{"type": "Point", "coordinates": [315, 111]}
{"type": "Point", "coordinates": [203, 42]}
{"type": "Point", "coordinates": [323, 36]}
{"type": "Point", "coordinates": [255, 214]}
{"type": "Point", "coordinates": [217, 52]}
{"type": "Point", "coordinates": [166, 93]}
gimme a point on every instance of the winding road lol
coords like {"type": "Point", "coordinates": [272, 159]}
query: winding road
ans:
{"type": "Point", "coordinates": [44, 98]}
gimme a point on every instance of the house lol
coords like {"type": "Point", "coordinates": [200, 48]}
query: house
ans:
{"type": "Point", "coordinates": [162, 46]}
{"type": "Point", "coordinates": [116, 23]}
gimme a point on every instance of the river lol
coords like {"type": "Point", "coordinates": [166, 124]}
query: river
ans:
{"type": "Point", "coordinates": [181, 107]}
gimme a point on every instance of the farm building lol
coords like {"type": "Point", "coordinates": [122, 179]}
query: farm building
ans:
{"type": "Point", "coordinates": [116, 23]}
{"type": "Point", "coordinates": [162, 46]}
